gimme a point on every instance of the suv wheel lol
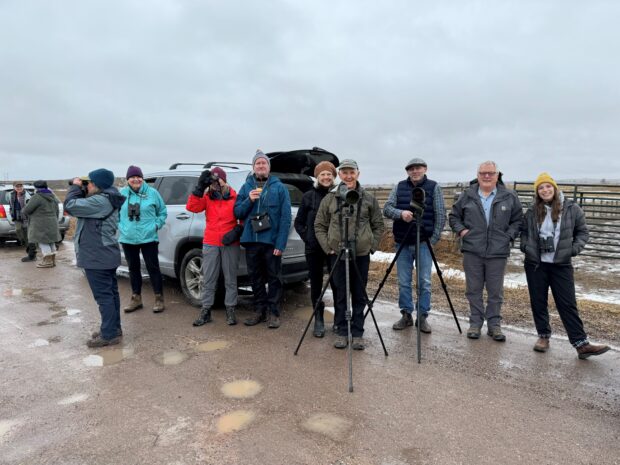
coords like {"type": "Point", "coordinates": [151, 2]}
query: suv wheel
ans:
{"type": "Point", "coordinates": [190, 276]}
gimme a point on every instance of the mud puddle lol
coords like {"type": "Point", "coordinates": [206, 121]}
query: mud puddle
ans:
{"type": "Point", "coordinates": [171, 357]}
{"type": "Point", "coordinates": [235, 421]}
{"type": "Point", "coordinates": [211, 346]}
{"type": "Point", "coordinates": [241, 389]}
{"type": "Point", "coordinates": [108, 357]}
{"type": "Point", "coordinates": [327, 424]}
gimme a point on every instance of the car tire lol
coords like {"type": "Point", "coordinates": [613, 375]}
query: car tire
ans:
{"type": "Point", "coordinates": [190, 276]}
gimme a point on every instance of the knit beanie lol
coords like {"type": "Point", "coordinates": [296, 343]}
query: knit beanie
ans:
{"type": "Point", "coordinates": [260, 154]}
{"type": "Point", "coordinates": [40, 184]}
{"type": "Point", "coordinates": [544, 177]}
{"type": "Point", "coordinates": [102, 178]}
{"type": "Point", "coordinates": [324, 166]}
{"type": "Point", "coordinates": [220, 173]}
{"type": "Point", "coordinates": [134, 171]}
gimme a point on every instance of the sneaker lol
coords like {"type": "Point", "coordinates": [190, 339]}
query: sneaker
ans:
{"type": "Point", "coordinates": [96, 334]}
{"type": "Point", "coordinates": [424, 326]}
{"type": "Point", "coordinates": [473, 332]}
{"type": "Point", "coordinates": [496, 333]}
{"type": "Point", "coordinates": [255, 319]}
{"type": "Point", "coordinates": [405, 320]}
{"type": "Point", "coordinates": [101, 342]}
{"type": "Point", "coordinates": [542, 344]}
{"type": "Point", "coordinates": [341, 342]}
{"type": "Point", "coordinates": [273, 322]}
{"type": "Point", "coordinates": [588, 350]}
{"type": "Point", "coordinates": [358, 344]}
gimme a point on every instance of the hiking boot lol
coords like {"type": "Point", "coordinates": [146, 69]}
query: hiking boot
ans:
{"type": "Point", "coordinates": [159, 303]}
{"type": "Point", "coordinates": [358, 344]}
{"type": "Point", "coordinates": [588, 350]}
{"type": "Point", "coordinates": [46, 262]}
{"type": "Point", "coordinates": [405, 320]}
{"type": "Point", "coordinates": [101, 342]}
{"type": "Point", "coordinates": [96, 334]}
{"type": "Point", "coordinates": [496, 333]}
{"type": "Point", "coordinates": [341, 342]}
{"type": "Point", "coordinates": [205, 317]}
{"type": "Point", "coordinates": [54, 259]}
{"type": "Point", "coordinates": [542, 344]}
{"type": "Point", "coordinates": [424, 326]}
{"type": "Point", "coordinates": [134, 304]}
{"type": "Point", "coordinates": [255, 319]}
{"type": "Point", "coordinates": [335, 328]}
{"type": "Point", "coordinates": [319, 324]}
{"type": "Point", "coordinates": [29, 258]}
{"type": "Point", "coordinates": [273, 322]}
{"type": "Point", "coordinates": [473, 332]}
{"type": "Point", "coordinates": [231, 319]}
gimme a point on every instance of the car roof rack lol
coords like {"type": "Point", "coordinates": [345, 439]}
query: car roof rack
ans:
{"type": "Point", "coordinates": [226, 164]}
{"type": "Point", "coordinates": [174, 166]}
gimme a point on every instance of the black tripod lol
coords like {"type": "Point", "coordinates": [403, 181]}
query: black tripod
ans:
{"type": "Point", "coordinates": [417, 204]}
{"type": "Point", "coordinates": [346, 254]}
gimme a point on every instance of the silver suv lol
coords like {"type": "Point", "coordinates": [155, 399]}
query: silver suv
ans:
{"type": "Point", "coordinates": [7, 225]}
{"type": "Point", "coordinates": [180, 240]}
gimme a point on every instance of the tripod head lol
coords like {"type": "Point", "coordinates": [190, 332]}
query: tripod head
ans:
{"type": "Point", "coordinates": [418, 199]}
{"type": "Point", "coordinates": [349, 198]}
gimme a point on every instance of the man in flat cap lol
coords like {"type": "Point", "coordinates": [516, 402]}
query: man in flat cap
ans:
{"type": "Point", "coordinates": [365, 230]}
{"type": "Point", "coordinates": [432, 221]}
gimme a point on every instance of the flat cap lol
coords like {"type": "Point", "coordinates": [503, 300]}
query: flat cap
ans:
{"type": "Point", "coordinates": [415, 162]}
{"type": "Point", "coordinates": [347, 163]}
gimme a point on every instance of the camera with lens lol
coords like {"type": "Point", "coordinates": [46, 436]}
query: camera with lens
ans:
{"type": "Point", "coordinates": [545, 244]}
{"type": "Point", "coordinates": [348, 196]}
{"type": "Point", "coordinates": [133, 211]}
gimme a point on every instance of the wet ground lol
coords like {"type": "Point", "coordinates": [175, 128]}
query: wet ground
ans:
{"type": "Point", "coordinates": [175, 394]}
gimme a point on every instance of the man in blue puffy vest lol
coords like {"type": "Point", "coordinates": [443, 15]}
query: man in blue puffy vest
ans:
{"type": "Point", "coordinates": [433, 219]}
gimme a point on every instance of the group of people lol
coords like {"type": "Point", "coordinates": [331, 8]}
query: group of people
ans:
{"type": "Point", "coordinates": [487, 217]}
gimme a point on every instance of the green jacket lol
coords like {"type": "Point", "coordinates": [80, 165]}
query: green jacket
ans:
{"type": "Point", "coordinates": [366, 233]}
{"type": "Point", "coordinates": [42, 211]}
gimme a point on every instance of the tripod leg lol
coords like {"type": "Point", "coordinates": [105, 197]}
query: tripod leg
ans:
{"type": "Point", "coordinates": [443, 285]}
{"type": "Point", "coordinates": [348, 315]}
{"type": "Point", "coordinates": [369, 303]}
{"type": "Point", "coordinates": [417, 293]}
{"type": "Point", "coordinates": [331, 273]}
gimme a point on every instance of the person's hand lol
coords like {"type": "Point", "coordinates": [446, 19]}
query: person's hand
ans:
{"type": "Point", "coordinates": [254, 194]}
{"type": "Point", "coordinates": [203, 180]}
{"type": "Point", "coordinates": [277, 252]}
{"type": "Point", "coordinates": [463, 232]}
{"type": "Point", "coordinates": [407, 216]}
{"type": "Point", "coordinates": [77, 182]}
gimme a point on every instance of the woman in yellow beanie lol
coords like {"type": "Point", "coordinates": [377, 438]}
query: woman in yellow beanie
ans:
{"type": "Point", "coordinates": [554, 231]}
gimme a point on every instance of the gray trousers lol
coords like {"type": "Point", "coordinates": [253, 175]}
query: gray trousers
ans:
{"type": "Point", "coordinates": [215, 258]}
{"type": "Point", "coordinates": [481, 273]}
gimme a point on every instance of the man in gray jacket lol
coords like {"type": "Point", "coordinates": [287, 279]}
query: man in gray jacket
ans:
{"type": "Point", "coordinates": [486, 217]}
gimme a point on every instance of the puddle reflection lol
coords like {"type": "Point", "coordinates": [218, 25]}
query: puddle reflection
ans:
{"type": "Point", "coordinates": [235, 421]}
{"type": "Point", "coordinates": [171, 357]}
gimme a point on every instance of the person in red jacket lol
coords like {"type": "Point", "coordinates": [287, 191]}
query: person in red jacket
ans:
{"type": "Point", "coordinates": [220, 249]}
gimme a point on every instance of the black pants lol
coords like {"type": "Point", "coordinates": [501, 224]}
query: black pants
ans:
{"type": "Point", "coordinates": [149, 252]}
{"type": "Point", "coordinates": [358, 296]}
{"type": "Point", "coordinates": [104, 286]}
{"type": "Point", "coordinates": [316, 260]}
{"type": "Point", "coordinates": [560, 279]}
{"type": "Point", "coordinates": [264, 268]}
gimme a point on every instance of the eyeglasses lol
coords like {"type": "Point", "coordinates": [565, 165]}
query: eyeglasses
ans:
{"type": "Point", "coordinates": [487, 173]}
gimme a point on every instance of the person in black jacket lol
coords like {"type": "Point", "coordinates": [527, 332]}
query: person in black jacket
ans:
{"type": "Point", "coordinates": [553, 232]}
{"type": "Point", "coordinates": [325, 173]}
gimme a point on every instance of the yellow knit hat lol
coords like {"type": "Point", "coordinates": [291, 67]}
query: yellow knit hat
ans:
{"type": "Point", "coordinates": [544, 177]}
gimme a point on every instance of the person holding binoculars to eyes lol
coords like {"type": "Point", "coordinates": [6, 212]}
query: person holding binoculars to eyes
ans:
{"type": "Point", "coordinates": [141, 217]}
{"type": "Point", "coordinates": [553, 232]}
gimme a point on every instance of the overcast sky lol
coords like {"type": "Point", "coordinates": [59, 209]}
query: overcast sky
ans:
{"type": "Point", "coordinates": [534, 85]}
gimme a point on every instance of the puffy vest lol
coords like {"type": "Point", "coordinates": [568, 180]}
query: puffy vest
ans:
{"type": "Point", "coordinates": [403, 198]}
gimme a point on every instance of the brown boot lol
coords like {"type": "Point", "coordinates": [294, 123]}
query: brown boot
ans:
{"type": "Point", "coordinates": [588, 350]}
{"type": "Point", "coordinates": [542, 344]}
{"type": "Point", "coordinates": [159, 303]}
{"type": "Point", "coordinates": [134, 304]}
{"type": "Point", "coordinates": [46, 262]}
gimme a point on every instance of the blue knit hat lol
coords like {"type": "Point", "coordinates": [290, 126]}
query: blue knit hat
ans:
{"type": "Point", "coordinates": [101, 178]}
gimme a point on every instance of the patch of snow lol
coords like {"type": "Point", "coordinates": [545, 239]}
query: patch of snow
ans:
{"type": "Point", "coordinates": [39, 343]}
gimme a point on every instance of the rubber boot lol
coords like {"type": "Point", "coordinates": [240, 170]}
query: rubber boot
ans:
{"type": "Point", "coordinates": [231, 319]}
{"type": "Point", "coordinates": [159, 303]}
{"type": "Point", "coordinates": [134, 304]}
{"type": "Point", "coordinates": [46, 262]}
{"type": "Point", "coordinates": [205, 317]}
{"type": "Point", "coordinates": [319, 324]}
{"type": "Point", "coordinates": [54, 259]}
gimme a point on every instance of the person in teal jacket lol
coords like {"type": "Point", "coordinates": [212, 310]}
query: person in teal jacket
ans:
{"type": "Point", "coordinates": [141, 217]}
{"type": "Point", "coordinates": [264, 206]}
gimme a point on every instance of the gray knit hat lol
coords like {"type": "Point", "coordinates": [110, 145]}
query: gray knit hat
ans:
{"type": "Point", "coordinates": [415, 162]}
{"type": "Point", "coordinates": [260, 154]}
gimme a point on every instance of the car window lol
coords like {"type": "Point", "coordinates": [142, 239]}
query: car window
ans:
{"type": "Point", "coordinates": [176, 189]}
{"type": "Point", "coordinates": [4, 197]}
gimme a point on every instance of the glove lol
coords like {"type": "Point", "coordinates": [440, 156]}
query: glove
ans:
{"type": "Point", "coordinates": [233, 235]}
{"type": "Point", "coordinates": [203, 183]}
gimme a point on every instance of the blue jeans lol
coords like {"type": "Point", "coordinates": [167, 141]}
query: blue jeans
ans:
{"type": "Point", "coordinates": [404, 265]}
{"type": "Point", "coordinates": [104, 286]}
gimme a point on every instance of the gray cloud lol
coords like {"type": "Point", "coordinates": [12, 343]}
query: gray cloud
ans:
{"type": "Point", "coordinates": [532, 85]}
